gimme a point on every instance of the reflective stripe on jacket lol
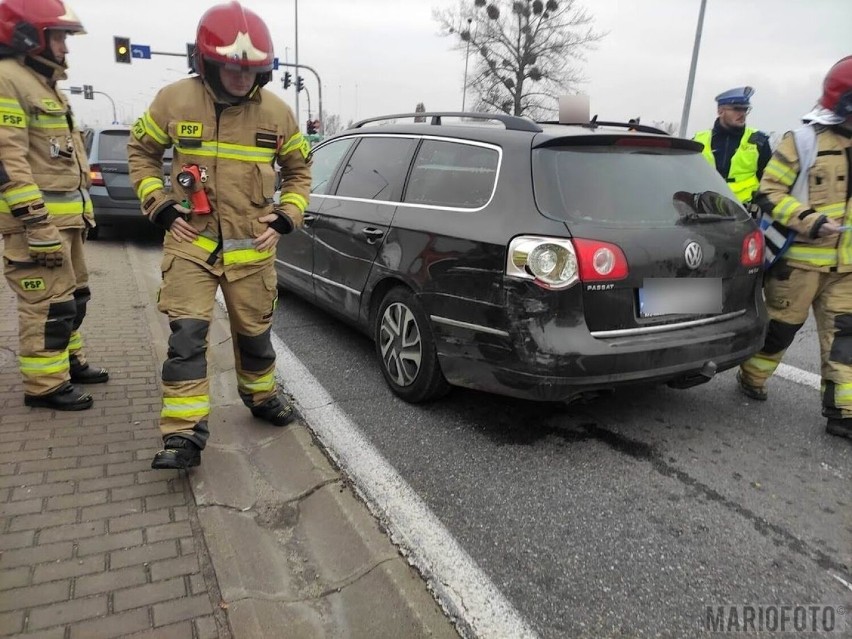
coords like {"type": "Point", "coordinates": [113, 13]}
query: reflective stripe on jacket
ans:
{"type": "Point", "coordinates": [237, 150]}
{"type": "Point", "coordinates": [35, 124]}
{"type": "Point", "coordinates": [742, 176]}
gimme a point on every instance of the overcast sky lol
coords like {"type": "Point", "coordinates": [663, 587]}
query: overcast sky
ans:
{"type": "Point", "coordinates": [379, 57]}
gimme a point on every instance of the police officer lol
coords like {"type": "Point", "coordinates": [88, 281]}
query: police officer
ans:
{"type": "Point", "coordinates": [816, 270]}
{"type": "Point", "coordinates": [44, 203]}
{"type": "Point", "coordinates": [739, 153]}
{"type": "Point", "coordinates": [222, 223]}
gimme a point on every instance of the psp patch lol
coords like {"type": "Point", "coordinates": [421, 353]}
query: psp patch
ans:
{"type": "Point", "coordinates": [13, 118]}
{"type": "Point", "coordinates": [138, 129]}
{"type": "Point", "coordinates": [50, 104]}
{"type": "Point", "coordinates": [189, 129]}
{"type": "Point", "coordinates": [33, 284]}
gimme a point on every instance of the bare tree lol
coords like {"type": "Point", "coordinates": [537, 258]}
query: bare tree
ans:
{"type": "Point", "coordinates": [527, 52]}
{"type": "Point", "coordinates": [332, 124]}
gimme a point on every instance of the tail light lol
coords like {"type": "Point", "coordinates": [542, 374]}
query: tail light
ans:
{"type": "Point", "coordinates": [752, 253]}
{"type": "Point", "coordinates": [96, 175]}
{"type": "Point", "coordinates": [600, 261]}
{"type": "Point", "coordinates": [557, 263]}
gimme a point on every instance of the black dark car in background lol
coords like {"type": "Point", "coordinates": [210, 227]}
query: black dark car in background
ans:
{"type": "Point", "coordinates": [536, 260]}
{"type": "Point", "coordinates": [113, 196]}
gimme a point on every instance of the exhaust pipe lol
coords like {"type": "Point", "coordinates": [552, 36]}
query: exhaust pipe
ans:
{"type": "Point", "coordinates": [707, 372]}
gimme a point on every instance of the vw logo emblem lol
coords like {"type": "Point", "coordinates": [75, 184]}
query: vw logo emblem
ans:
{"type": "Point", "coordinates": [694, 255]}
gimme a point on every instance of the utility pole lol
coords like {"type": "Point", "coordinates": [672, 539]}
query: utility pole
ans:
{"type": "Point", "coordinates": [299, 117]}
{"type": "Point", "coordinates": [687, 102]}
{"type": "Point", "coordinates": [466, 56]}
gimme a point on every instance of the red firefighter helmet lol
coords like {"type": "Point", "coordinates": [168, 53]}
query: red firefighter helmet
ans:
{"type": "Point", "coordinates": [234, 37]}
{"type": "Point", "coordinates": [837, 88]}
{"type": "Point", "coordinates": [23, 23]}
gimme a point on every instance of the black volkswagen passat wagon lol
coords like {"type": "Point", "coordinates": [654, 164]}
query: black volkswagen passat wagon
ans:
{"type": "Point", "coordinates": [535, 260]}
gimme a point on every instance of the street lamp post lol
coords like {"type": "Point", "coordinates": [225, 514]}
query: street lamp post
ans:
{"type": "Point", "coordinates": [114, 117]}
{"type": "Point", "coordinates": [466, 56]}
{"type": "Point", "coordinates": [687, 101]}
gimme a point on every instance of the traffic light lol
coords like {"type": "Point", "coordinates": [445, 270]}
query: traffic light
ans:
{"type": "Point", "coordinates": [88, 92]}
{"type": "Point", "coordinates": [311, 127]}
{"type": "Point", "coordinates": [300, 83]}
{"type": "Point", "coordinates": [122, 50]}
{"type": "Point", "coordinates": [287, 80]}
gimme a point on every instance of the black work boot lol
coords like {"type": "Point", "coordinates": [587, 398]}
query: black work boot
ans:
{"type": "Point", "coordinates": [755, 392]}
{"type": "Point", "coordinates": [840, 426]}
{"type": "Point", "coordinates": [275, 411]}
{"type": "Point", "coordinates": [178, 453]}
{"type": "Point", "coordinates": [66, 397]}
{"type": "Point", "coordinates": [85, 374]}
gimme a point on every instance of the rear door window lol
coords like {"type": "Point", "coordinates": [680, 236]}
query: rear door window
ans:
{"type": "Point", "coordinates": [625, 185]}
{"type": "Point", "coordinates": [376, 169]}
{"type": "Point", "coordinates": [112, 146]}
{"type": "Point", "coordinates": [452, 174]}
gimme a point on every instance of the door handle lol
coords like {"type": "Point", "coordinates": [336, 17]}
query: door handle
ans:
{"type": "Point", "coordinates": [308, 218]}
{"type": "Point", "coordinates": [372, 232]}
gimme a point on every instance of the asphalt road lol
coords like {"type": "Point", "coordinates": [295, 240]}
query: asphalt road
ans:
{"type": "Point", "coordinates": [625, 516]}
{"type": "Point", "coordinates": [628, 515]}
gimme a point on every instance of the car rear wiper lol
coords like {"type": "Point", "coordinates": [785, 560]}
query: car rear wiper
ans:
{"type": "Point", "coordinates": [707, 206]}
{"type": "Point", "coordinates": [699, 218]}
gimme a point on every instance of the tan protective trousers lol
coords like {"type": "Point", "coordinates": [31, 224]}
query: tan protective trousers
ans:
{"type": "Point", "coordinates": [790, 292]}
{"type": "Point", "coordinates": [187, 296]}
{"type": "Point", "coordinates": [51, 308]}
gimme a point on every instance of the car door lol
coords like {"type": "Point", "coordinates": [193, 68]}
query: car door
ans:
{"type": "Point", "coordinates": [354, 220]}
{"type": "Point", "coordinates": [295, 253]}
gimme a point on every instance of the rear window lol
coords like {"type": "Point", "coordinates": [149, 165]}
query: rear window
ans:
{"type": "Point", "coordinates": [630, 186]}
{"type": "Point", "coordinates": [452, 174]}
{"type": "Point", "coordinates": [112, 146]}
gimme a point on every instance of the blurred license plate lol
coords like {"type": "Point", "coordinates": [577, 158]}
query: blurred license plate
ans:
{"type": "Point", "coordinates": [675, 296]}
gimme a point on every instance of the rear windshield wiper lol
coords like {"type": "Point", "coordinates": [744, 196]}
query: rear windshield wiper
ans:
{"type": "Point", "coordinates": [699, 218]}
{"type": "Point", "coordinates": [707, 206]}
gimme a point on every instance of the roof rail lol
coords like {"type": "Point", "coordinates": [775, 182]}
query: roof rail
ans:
{"type": "Point", "coordinates": [511, 122]}
{"type": "Point", "coordinates": [595, 123]}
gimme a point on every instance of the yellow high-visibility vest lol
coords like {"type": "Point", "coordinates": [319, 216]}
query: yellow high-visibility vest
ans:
{"type": "Point", "coordinates": [742, 176]}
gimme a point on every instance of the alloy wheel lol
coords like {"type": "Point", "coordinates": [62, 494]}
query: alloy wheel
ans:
{"type": "Point", "coordinates": [399, 340]}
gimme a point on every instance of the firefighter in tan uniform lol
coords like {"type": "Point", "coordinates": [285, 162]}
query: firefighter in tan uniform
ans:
{"type": "Point", "coordinates": [222, 222]}
{"type": "Point", "coordinates": [44, 203]}
{"type": "Point", "coordinates": [816, 270]}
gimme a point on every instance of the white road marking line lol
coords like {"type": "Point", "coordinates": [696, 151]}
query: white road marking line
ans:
{"type": "Point", "coordinates": [841, 580]}
{"type": "Point", "coordinates": [465, 591]}
{"type": "Point", "coordinates": [798, 375]}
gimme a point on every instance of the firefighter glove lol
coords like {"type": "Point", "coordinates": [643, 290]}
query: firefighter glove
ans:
{"type": "Point", "coordinates": [45, 244]}
{"type": "Point", "coordinates": [283, 224]}
{"type": "Point", "coordinates": [167, 215]}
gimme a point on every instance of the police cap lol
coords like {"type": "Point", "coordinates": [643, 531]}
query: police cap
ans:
{"type": "Point", "coordinates": [740, 96]}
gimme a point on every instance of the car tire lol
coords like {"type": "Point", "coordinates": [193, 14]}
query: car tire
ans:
{"type": "Point", "coordinates": [406, 349]}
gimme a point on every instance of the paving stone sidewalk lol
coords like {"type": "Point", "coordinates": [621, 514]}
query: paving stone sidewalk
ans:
{"type": "Point", "coordinates": [94, 543]}
{"type": "Point", "coordinates": [265, 539]}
